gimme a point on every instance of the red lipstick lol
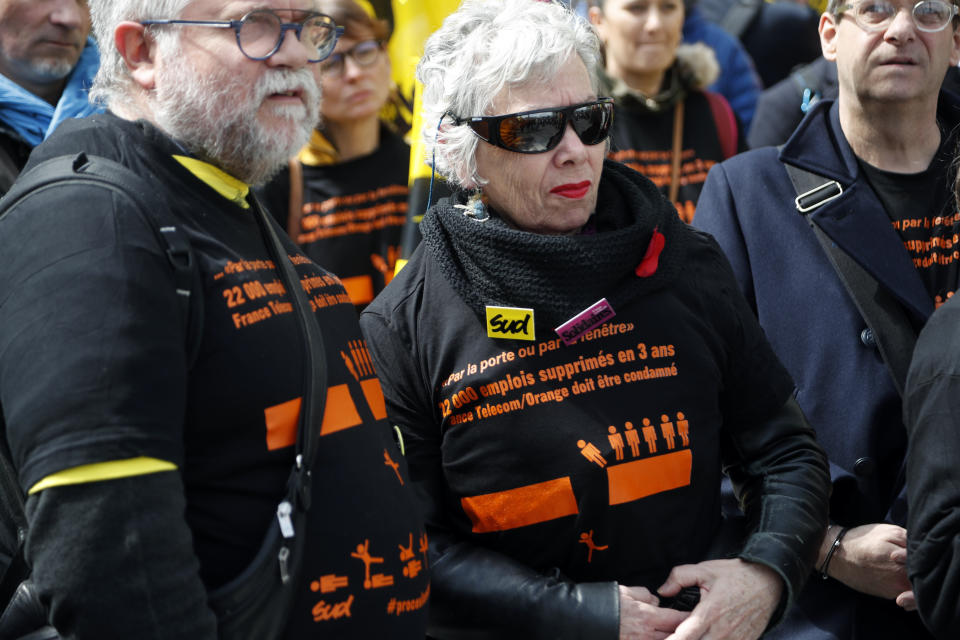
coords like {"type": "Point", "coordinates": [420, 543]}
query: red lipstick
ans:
{"type": "Point", "coordinates": [574, 191]}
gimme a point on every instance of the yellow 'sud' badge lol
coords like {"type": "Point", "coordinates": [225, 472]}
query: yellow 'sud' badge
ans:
{"type": "Point", "coordinates": [510, 323]}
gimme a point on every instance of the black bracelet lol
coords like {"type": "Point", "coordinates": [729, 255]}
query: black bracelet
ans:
{"type": "Point", "coordinates": [833, 548]}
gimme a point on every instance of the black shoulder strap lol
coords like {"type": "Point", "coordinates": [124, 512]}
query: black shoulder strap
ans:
{"type": "Point", "coordinates": [885, 317]}
{"type": "Point", "coordinates": [740, 16]}
{"type": "Point", "coordinates": [81, 168]}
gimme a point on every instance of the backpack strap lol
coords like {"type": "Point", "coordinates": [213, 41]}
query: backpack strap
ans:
{"type": "Point", "coordinates": [113, 175]}
{"type": "Point", "coordinates": [295, 206]}
{"type": "Point", "coordinates": [725, 122]}
{"type": "Point", "coordinates": [886, 320]}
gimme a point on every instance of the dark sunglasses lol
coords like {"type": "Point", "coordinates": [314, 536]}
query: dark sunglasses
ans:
{"type": "Point", "coordinates": [541, 130]}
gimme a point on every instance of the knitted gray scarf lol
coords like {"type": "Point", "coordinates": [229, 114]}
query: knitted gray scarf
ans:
{"type": "Point", "coordinates": [490, 263]}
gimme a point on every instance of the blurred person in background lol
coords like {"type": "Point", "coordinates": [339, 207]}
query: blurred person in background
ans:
{"type": "Point", "coordinates": [738, 81]}
{"type": "Point", "coordinates": [667, 125]}
{"type": "Point", "coordinates": [47, 65]}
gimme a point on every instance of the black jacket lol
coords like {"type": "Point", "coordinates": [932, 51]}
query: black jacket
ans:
{"type": "Point", "coordinates": [931, 412]}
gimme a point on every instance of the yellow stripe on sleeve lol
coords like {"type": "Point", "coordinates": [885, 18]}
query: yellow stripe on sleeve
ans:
{"type": "Point", "coordinates": [100, 471]}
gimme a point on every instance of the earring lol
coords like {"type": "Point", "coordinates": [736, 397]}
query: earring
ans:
{"type": "Point", "coordinates": [475, 208]}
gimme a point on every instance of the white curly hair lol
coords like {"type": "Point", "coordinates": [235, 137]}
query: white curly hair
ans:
{"type": "Point", "coordinates": [482, 48]}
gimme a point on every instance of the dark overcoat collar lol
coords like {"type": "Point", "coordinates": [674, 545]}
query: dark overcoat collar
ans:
{"type": "Point", "coordinates": [856, 221]}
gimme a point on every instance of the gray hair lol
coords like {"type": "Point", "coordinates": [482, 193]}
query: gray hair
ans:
{"type": "Point", "coordinates": [482, 48]}
{"type": "Point", "coordinates": [113, 81]}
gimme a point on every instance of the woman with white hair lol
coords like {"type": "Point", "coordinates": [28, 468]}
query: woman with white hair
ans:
{"type": "Point", "coordinates": [571, 367]}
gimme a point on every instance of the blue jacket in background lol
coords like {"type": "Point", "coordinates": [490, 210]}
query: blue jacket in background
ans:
{"type": "Point", "coordinates": [739, 82]}
{"type": "Point", "coordinates": [33, 118]}
{"type": "Point", "coordinates": [843, 386]}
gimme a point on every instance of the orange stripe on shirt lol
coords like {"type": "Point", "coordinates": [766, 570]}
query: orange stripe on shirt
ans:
{"type": "Point", "coordinates": [340, 413]}
{"type": "Point", "coordinates": [282, 421]}
{"type": "Point", "coordinates": [522, 506]}
{"type": "Point", "coordinates": [359, 288]}
{"type": "Point", "coordinates": [373, 392]}
{"type": "Point", "coordinates": [641, 478]}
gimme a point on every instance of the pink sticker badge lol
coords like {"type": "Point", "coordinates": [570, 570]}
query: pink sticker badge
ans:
{"type": "Point", "coordinates": [591, 317]}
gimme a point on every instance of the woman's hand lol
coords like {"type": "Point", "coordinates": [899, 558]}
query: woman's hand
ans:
{"type": "Point", "coordinates": [642, 619]}
{"type": "Point", "coordinates": [872, 559]}
{"type": "Point", "coordinates": [737, 599]}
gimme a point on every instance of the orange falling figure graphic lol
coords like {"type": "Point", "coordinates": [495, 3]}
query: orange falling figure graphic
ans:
{"type": "Point", "coordinates": [633, 439]}
{"type": "Point", "coordinates": [650, 435]}
{"type": "Point", "coordinates": [683, 428]}
{"type": "Point", "coordinates": [666, 430]}
{"type": "Point", "coordinates": [388, 461]}
{"type": "Point", "coordinates": [587, 539]}
{"type": "Point", "coordinates": [591, 453]}
{"type": "Point", "coordinates": [616, 441]}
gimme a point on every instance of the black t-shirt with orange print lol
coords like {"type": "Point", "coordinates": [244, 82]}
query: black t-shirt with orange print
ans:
{"type": "Point", "coordinates": [122, 387]}
{"type": "Point", "coordinates": [926, 217]}
{"type": "Point", "coordinates": [601, 458]}
{"type": "Point", "coordinates": [643, 140]}
{"type": "Point", "coordinates": [353, 214]}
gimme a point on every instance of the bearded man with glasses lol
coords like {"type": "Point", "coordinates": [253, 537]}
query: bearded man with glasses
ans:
{"type": "Point", "coordinates": [844, 242]}
{"type": "Point", "coordinates": [174, 490]}
{"type": "Point", "coordinates": [556, 311]}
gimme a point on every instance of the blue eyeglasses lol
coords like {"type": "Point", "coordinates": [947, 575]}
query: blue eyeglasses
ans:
{"type": "Point", "coordinates": [260, 33]}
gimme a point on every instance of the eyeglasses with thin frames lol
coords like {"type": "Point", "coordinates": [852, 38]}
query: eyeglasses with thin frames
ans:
{"type": "Point", "coordinates": [929, 16]}
{"type": "Point", "coordinates": [260, 33]}
{"type": "Point", "coordinates": [540, 130]}
{"type": "Point", "coordinates": [363, 54]}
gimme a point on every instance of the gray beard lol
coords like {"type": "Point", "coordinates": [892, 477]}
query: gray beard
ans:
{"type": "Point", "coordinates": [51, 70]}
{"type": "Point", "coordinates": [215, 117]}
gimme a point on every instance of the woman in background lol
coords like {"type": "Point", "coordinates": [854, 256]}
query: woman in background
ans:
{"type": "Point", "coordinates": [668, 127]}
{"type": "Point", "coordinates": [344, 198]}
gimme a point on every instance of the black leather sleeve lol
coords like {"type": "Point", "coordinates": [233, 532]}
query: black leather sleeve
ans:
{"type": "Point", "coordinates": [481, 594]}
{"type": "Point", "coordinates": [781, 477]}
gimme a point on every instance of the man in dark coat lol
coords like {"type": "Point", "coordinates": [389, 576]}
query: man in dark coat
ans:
{"type": "Point", "coordinates": [885, 146]}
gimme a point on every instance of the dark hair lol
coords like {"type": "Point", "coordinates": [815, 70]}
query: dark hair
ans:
{"type": "Point", "coordinates": [352, 17]}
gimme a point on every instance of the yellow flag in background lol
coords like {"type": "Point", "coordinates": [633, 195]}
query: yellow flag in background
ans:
{"type": "Point", "coordinates": [414, 21]}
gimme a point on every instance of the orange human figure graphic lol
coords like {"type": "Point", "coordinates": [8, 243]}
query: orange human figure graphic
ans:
{"type": "Point", "coordinates": [591, 453]}
{"type": "Point", "coordinates": [650, 435]}
{"type": "Point", "coordinates": [587, 539]}
{"type": "Point", "coordinates": [666, 430]}
{"type": "Point", "coordinates": [633, 439]}
{"type": "Point", "coordinates": [413, 566]}
{"type": "Point", "coordinates": [388, 461]}
{"type": "Point", "coordinates": [683, 428]}
{"type": "Point", "coordinates": [424, 547]}
{"type": "Point", "coordinates": [347, 361]}
{"type": "Point", "coordinates": [363, 553]}
{"type": "Point", "coordinates": [406, 553]}
{"type": "Point", "coordinates": [616, 441]}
